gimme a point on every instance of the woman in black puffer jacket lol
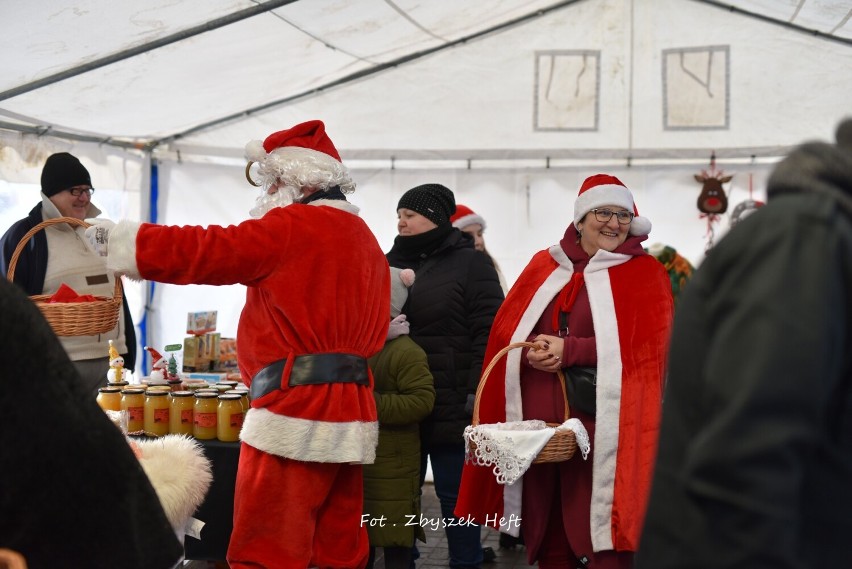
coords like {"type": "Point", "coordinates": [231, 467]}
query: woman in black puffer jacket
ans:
{"type": "Point", "coordinates": [450, 308]}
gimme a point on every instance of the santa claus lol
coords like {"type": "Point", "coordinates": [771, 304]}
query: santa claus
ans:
{"type": "Point", "coordinates": [316, 308]}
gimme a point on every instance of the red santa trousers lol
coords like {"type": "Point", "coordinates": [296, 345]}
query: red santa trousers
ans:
{"type": "Point", "coordinates": [292, 514]}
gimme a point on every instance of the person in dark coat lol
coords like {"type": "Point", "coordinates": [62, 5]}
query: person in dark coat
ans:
{"type": "Point", "coordinates": [404, 396]}
{"type": "Point", "coordinates": [450, 308]}
{"type": "Point", "coordinates": [755, 453]}
{"type": "Point", "coordinates": [72, 493]}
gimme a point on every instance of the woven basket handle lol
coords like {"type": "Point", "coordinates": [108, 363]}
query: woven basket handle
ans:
{"type": "Point", "coordinates": [493, 362]}
{"type": "Point", "coordinates": [13, 262]}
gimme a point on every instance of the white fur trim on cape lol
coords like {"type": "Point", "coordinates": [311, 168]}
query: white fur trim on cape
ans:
{"type": "Point", "coordinates": [608, 397]}
{"type": "Point", "coordinates": [179, 472]}
{"type": "Point", "coordinates": [121, 251]}
{"type": "Point", "coordinates": [311, 441]}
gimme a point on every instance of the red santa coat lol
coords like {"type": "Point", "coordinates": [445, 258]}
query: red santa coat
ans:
{"type": "Point", "coordinates": [631, 306]}
{"type": "Point", "coordinates": [317, 283]}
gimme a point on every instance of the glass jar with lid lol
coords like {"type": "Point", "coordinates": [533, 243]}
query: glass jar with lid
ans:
{"type": "Point", "coordinates": [133, 403]}
{"type": "Point", "coordinates": [109, 398]}
{"type": "Point", "coordinates": [156, 413]}
{"type": "Point", "coordinates": [230, 417]}
{"type": "Point", "coordinates": [204, 413]}
{"type": "Point", "coordinates": [181, 404]}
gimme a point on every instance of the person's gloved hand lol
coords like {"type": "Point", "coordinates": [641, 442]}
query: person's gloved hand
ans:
{"type": "Point", "coordinates": [398, 327]}
{"type": "Point", "coordinates": [468, 406]}
{"type": "Point", "coordinates": [98, 234]}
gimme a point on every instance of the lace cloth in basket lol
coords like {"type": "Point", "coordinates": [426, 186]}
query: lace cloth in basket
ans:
{"type": "Point", "coordinates": [511, 447]}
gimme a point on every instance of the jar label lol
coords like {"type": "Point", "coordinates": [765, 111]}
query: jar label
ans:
{"type": "Point", "coordinates": [237, 419]}
{"type": "Point", "coordinates": [205, 419]}
{"type": "Point", "coordinates": [186, 416]}
{"type": "Point", "coordinates": [161, 415]}
{"type": "Point", "coordinates": [135, 413]}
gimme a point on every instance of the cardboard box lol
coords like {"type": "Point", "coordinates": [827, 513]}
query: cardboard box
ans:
{"type": "Point", "coordinates": [199, 323]}
{"type": "Point", "coordinates": [227, 354]}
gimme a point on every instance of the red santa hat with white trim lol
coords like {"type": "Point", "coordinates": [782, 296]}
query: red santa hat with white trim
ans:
{"type": "Point", "coordinates": [301, 156]}
{"type": "Point", "coordinates": [157, 359]}
{"type": "Point", "coordinates": [602, 190]}
{"type": "Point", "coordinates": [465, 216]}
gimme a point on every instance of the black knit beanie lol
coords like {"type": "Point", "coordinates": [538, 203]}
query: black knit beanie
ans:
{"type": "Point", "coordinates": [62, 171]}
{"type": "Point", "coordinates": [433, 201]}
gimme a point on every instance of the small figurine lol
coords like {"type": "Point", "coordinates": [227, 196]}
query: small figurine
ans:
{"type": "Point", "coordinates": [116, 365]}
{"type": "Point", "coordinates": [173, 374]}
{"type": "Point", "coordinates": [158, 365]}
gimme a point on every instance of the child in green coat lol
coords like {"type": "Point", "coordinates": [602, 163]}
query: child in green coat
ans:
{"type": "Point", "coordinates": [404, 396]}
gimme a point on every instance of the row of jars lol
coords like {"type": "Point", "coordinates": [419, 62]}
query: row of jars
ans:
{"type": "Point", "coordinates": [204, 414]}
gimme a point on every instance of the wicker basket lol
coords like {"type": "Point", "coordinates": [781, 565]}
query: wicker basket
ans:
{"type": "Point", "coordinates": [72, 318]}
{"type": "Point", "coordinates": [563, 444]}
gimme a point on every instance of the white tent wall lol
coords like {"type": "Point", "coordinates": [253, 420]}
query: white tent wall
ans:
{"type": "Point", "coordinates": [526, 210]}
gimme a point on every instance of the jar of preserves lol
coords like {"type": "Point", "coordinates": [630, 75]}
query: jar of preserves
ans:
{"type": "Point", "coordinates": [230, 417]}
{"type": "Point", "coordinates": [133, 403]}
{"type": "Point", "coordinates": [109, 398]}
{"type": "Point", "coordinates": [156, 413]}
{"type": "Point", "coordinates": [180, 412]}
{"type": "Point", "coordinates": [244, 398]}
{"type": "Point", "coordinates": [230, 383]}
{"type": "Point", "coordinates": [204, 413]}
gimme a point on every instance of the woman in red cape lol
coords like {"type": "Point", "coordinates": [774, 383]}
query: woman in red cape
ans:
{"type": "Point", "coordinates": [595, 300]}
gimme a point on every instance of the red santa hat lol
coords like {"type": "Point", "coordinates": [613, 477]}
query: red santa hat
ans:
{"type": "Point", "coordinates": [465, 216]}
{"type": "Point", "coordinates": [301, 156]}
{"type": "Point", "coordinates": [157, 359]}
{"type": "Point", "coordinates": [602, 190]}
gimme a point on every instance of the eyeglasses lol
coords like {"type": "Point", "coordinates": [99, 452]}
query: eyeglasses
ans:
{"type": "Point", "coordinates": [77, 191]}
{"type": "Point", "coordinates": [604, 215]}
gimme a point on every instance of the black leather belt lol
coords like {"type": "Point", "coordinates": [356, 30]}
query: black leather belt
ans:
{"type": "Point", "coordinates": [311, 369]}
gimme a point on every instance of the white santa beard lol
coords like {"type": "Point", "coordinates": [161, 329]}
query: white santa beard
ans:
{"type": "Point", "coordinates": [284, 196]}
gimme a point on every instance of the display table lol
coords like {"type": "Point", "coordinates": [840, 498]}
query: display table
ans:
{"type": "Point", "coordinates": [217, 510]}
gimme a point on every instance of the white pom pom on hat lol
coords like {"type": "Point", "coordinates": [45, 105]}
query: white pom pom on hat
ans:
{"type": "Point", "coordinates": [602, 190]}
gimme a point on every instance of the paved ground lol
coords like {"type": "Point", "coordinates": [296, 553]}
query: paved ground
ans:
{"type": "Point", "coordinates": [433, 553]}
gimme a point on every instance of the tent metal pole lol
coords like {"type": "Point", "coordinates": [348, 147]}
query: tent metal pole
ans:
{"type": "Point", "coordinates": [789, 25]}
{"type": "Point", "coordinates": [140, 49]}
{"type": "Point", "coordinates": [144, 325]}
{"type": "Point", "coordinates": [367, 72]}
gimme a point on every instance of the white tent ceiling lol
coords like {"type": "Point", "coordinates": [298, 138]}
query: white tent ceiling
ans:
{"type": "Point", "coordinates": [474, 79]}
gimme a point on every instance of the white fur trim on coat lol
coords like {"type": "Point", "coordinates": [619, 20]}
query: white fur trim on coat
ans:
{"type": "Point", "coordinates": [179, 472]}
{"type": "Point", "coordinates": [121, 251]}
{"type": "Point", "coordinates": [311, 441]}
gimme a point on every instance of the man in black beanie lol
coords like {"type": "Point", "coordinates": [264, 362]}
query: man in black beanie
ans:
{"type": "Point", "coordinates": [59, 254]}
{"type": "Point", "coordinates": [450, 309]}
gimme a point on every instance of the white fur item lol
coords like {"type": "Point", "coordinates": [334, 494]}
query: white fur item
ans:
{"type": "Point", "coordinates": [179, 472]}
{"type": "Point", "coordinates": [121, 253]}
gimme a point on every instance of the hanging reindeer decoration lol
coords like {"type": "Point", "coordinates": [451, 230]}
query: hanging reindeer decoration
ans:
{"type": "Point", "coordinates": [712, 201]}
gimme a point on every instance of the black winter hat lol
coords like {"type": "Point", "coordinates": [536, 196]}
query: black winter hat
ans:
{"type": "Point", "coordinates": [62, 171]}
{"type": "Point", "coordinates": [433, 201]}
